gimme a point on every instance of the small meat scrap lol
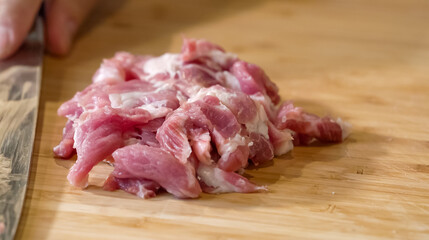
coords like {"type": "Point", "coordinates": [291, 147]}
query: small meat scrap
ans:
{"type": "Point", "coordinates": [186, 123]}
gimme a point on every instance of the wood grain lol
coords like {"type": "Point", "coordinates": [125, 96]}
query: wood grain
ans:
{"type": "Point", "coordinates": [366, 61]}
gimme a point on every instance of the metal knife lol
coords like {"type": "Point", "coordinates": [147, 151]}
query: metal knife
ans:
{"type": "Point", "coordinates": [20, 78]}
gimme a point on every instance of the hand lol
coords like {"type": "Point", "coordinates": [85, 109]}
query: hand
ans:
{"type": "Point", "coordinates": [62, 20]}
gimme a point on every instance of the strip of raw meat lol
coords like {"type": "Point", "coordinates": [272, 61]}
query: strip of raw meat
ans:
{"type": "Point", "coordinates": [191, 122]}
{"type": "Point", "coordinates": [239, 103]}
{"type": "Point", "coordinates": [163, 67]}
{"type": "Point", "coordinates": [231, 143]}
{"type": "Point", "coordinates": [125, 96]}
{"type": "Point", "coordinates": [143, 188]}
{"type": "Point", "coordinates": [252, 79]}
{"type": "Point", "coordinates": [261, 149]}
{"type": "Point", "coordinates": [281, 139]}
{"type": "Point", "coordinates": [122, 67]}
{"type": "Point", "coordinates": [193, 77]}
{"type": "Point", "coordinates": [308, 126]}
{"type": "Point", "coordinates": [99, 133]}
{"type": "Point", "coordinates": [106, 108]}
{"type": "Point", "coordinates": [65, 148]}
{"type": "Point", "coordinates": [206, 53]}
{"type": "Point", "coordinates": [97, 136]}
{"type": "Point", "coordinates": [200, 141]}
{"type": "Point", "coordinates": [196, 74]}
{"type": "Point", "coordinates": [132, 95]}
{"type": "Point", "coordinates": [144, 162]}
{"type": "Point", "coordinates": [173, 137]}
{"type": "Point", "coordinates": [144, 134]}
{"type": "Point", "coordinates": [110, 71]}
{"type": "Point", "coordinates": [249, 113]}
{"type": "Point", "coordinates": [215, 180]}
{"type": "Point", "coordinates": [95, 140]}
{"type": "Point", "coordinates": [269, 107]}
{"type": "Point", "coordinates": [71, 108]}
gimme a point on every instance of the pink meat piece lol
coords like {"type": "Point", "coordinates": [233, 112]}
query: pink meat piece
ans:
{"type": "Point", "coordinates": [142, 188]}
{"type": "Point", "coordinates": [110, 112]}
{"type": "Point", "coordinates": [196, 48]}
{"type": "Point", "coordinates": [65, 148]}
{"type": "Point", "coordinates": [144, 134]}
{"type": "Point", "coordinates": [200, 142]}
{"type": "Point", "coordinates": [131, 95]}
{"type": "Point", "coordinates": [216, 180]}
{"type": "Point", "coordinates": [136, 101]}
{"type": "Point", "coordinates": [192, 121]}
{"type": "Point", "coordinates": [91, 97]}
{"type": "Point", "coordinates": [172, 135]}
{"type": "Point", "coordinates": [147, 132]}
{"type": "Point", "coordinates": [199, 75]}
{"type": "Point", "coordinates": [269, 107]}
{"type": "Point", "coordinates": [207, 54]}
{"type": "Point", "coordinates": [70, 109]}
{"type": "Point", "coordinates": [122, 67]}
{"type": "Point", "coordinates": [221, 117]}
{"type": "Point", "coordinates": [144, 162]}
{"type": "Point", "coordinates": [253, 118]}
{"type": "Point", "coordinates": [110, 71]}
{"type": "Point", "coordinates": [95, 139]}
{"type": "Point", "coordinates": [239, 103]}
{"type": "Point", "coordinates": [98, 134]}
{"type": "Point", "coordinates": [252, 79]}
{"type": "Point", "coordinates": [226, 134]}
{"type": "Point", "coordinates": [261, 149]}
{"type": "Point", "coordinates": [280, 139]}
{"type": "Point", "coordinates": [309, 126]}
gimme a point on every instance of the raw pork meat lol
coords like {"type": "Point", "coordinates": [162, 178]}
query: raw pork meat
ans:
{"type": "Point", "coordinates": [186, 123]}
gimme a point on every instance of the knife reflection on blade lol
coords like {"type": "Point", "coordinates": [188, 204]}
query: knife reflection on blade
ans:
{"type": "Point", "coordinates": [20, 78]}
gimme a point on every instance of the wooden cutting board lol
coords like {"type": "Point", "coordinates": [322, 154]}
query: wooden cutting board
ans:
{"type": "Point", "coordinates": [365, 61]}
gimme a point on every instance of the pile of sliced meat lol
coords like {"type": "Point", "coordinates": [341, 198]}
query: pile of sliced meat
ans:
{"type": "Point", "coordinates": [186, 123]}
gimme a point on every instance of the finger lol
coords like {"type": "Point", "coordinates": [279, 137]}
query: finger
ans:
{"type": "Point", "coordinates": [16, 18]}
{"type": "Point", "coordinates": [63, 18]}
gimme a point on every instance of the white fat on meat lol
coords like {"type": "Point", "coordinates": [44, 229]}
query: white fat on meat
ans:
{"type": "Point", "coordinates": [109, 72]}
{"type": "Point", "coordinates": [285, 147]}
{"type": "Point", "coordinates": [125, 100]}
{"type": "Point", "coordinates": [166, 63]}
{"type": "Point", "coordinates": [181, 97]}
{"type": "Point", "coordinates": [345, 127]}
{"type": "Point", "coordinates": [219, 181]}
{"type": "Point", "coordinates": [259, 123]}
{"type": "Point", "coordinates": [258, 97]}
{"type": "Point", "coordinates": [163, 85]}
{"type": "Point", "coordinates": [157, 109]}
{"type": "Point", "coordinates": [231, 144]}
{"type": "Point", "coordinates": [171, 84]}
{"type": "Point", "coordinates": [213, 177]}
{"type": "Point", "coordinates": [142, 191]}
{"type": "Point", "coordinates": [128, 100]}
{"type": "Point", "coordinates": [221, 95]}
{"type": "Point", "coordinates": [230, 81]}
{"type": "Point", "coordinates": [221, 57]}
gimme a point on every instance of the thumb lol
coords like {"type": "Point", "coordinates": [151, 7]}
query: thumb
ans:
{"type": "Point", "coordinates": [16, 18]}
{"type": "Point", "coordinates": [63, 18]}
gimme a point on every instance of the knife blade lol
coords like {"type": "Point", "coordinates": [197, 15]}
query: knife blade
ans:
{"type": "Point", "coordinates": [20, 78]}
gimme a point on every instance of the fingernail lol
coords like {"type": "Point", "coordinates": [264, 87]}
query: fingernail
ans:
{"type": "Point", "coordinates": [4, 42]}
